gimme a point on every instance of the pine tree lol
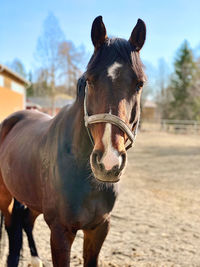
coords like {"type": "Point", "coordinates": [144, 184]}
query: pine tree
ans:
{"type": "Point", "coordinates": [181, 105]}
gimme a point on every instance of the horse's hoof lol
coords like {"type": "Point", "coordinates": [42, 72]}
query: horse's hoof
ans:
{"type": "Point", "coordinates": [36, 262]}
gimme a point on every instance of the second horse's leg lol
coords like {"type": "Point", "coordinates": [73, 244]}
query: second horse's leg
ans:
{"type": "Point", "coordinates": [13, 225]}
{"type": "Point", "coordinates": [29, 217]}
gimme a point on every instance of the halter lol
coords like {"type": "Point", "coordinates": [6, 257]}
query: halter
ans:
{"type": "Point", "coordinates": [108, 118]}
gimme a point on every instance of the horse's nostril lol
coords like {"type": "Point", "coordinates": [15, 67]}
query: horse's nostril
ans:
{"type": "Point", "coordinates": [96, 157]}
{"type": "Point", "coordinates": [123, 163]}
{"type": "Point", "coordinates": [116, 170]}
{"type": "Point", "coordinates": [101, 166]}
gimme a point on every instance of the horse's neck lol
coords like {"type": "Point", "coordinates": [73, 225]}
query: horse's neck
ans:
{"type": "Point", "coordinates": [72, 131]}
{"type": "Point", "coordinates": [81, 142]}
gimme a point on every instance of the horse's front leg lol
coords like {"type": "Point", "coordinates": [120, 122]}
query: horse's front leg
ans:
{"type": "Point", "coordinates": [61, 242]}
{"type": "Point", "coordinates": [93, 241]}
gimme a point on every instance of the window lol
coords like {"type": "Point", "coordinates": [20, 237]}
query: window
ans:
{"type": "Point", "coordinates": [1, 80]}
{"type": "Point", "coordinates": [17, 87]}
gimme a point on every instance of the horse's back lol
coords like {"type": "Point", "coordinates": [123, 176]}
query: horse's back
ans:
{"type": "Point", "coordinates": [8, 123]}
{"type": "Point", "coordinates": [23, 117]}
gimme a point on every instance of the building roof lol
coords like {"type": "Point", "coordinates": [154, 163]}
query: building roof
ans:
{"type": "Point", "coordinates": [46, 102]}
{"type": "Point", "coordinates": [149, 104]}
{"type": "Point", "coordinates": [13, 73]}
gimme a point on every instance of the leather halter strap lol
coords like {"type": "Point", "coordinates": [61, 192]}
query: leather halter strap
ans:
{"type": "Point", "coordinates": [108, 118]}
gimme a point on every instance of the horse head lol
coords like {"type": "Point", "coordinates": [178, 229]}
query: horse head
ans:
{"type": "Point", "coordinates": [114, 81]}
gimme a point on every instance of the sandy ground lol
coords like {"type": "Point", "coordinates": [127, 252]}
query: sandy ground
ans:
{"type": "Point", "coordinates": [156, 220]}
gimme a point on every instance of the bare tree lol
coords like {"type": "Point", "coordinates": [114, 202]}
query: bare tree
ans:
{"type": "Point", "coordinates": [163, 95]}
{"type": "Point", "coordinates": [17, 66]}
{"type": "Point", "coordinates": [163, 75]}
{"type": "Point", "coordinates": [60, 62]}
{"type": "Point", "coordinates": [71, 59]}
{"type": "Point", "coordinates": [41, 87]}
{"type": "Point", "coordinates": [148, 91]}
{"type": "Point", "coordinates": [47, 53]}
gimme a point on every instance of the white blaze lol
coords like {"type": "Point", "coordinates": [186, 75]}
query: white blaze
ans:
{"type": "Point", "coordinates": [112, 70]}
{"type": "Point", "coordinates": [111, 156]}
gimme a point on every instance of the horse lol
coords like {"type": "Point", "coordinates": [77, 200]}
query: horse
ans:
{"type": "Point", "coordinates": [17, 218]}
{"type": "Point", "coordinates": [69, 167]}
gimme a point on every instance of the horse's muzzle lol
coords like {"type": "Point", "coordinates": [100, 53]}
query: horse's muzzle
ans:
{"type": "Point", "coordinates": [101, 173]}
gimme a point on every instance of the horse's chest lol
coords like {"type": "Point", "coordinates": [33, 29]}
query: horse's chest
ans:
{"type": "Point", "coordinates": [88, 210]}
{"type": "Point", "coordinates": [83, 202]}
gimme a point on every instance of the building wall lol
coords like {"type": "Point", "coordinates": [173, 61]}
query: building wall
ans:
{"type": "Point", "coordinates": [148, 114]}
{"type": "Point", "coordinates": [12, 95]}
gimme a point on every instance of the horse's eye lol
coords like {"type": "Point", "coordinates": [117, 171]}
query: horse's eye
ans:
{"type": "Point", "coordinates": [139, 85]}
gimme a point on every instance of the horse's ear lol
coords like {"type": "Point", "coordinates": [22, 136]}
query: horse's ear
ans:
{"type": "Point", "coordinates": [98, 32]}
{"type": "Point", "coordinates": [138, 35]}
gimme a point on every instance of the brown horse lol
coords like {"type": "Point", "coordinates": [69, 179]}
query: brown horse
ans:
{"type": "Point", "coordinates": [68, 167]}
{"type": "Point", "coordinates": [17, 218]}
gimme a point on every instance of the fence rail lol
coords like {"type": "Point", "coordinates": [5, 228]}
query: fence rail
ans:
{"type": "Point", "coordinates": [180, 126]}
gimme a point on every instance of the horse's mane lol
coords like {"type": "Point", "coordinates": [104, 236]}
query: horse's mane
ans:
{"type": "Point", "coordinates": [115, 49]}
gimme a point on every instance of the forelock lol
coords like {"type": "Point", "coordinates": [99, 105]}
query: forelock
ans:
{"type": "Point", "coordinates": [115, 49]}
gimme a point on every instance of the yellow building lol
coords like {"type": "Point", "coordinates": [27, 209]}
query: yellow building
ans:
{"type": "Point", "coordinates": [12, 92]}
{"type": "Point", "coordinates": [149, 111]}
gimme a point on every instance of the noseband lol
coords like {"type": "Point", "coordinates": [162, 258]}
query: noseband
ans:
{"type": "Point", "coordinates": [108, 118]}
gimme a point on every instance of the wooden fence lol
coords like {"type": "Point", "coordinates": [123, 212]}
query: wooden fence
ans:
{"type": "Point", "coordinates": [180, 126]}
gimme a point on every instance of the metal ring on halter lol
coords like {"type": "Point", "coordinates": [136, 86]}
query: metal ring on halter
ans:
{"type": "Point", "coordinates": [108, 118]}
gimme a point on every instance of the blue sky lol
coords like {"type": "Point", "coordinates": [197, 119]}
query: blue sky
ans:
{"type": "Point", "coordinates": [168, 24]}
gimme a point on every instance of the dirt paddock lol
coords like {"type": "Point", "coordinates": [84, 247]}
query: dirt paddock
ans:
{"type": "Point", "coordinates": [156, 220]}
